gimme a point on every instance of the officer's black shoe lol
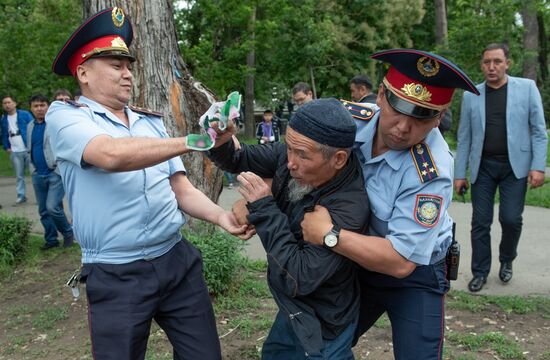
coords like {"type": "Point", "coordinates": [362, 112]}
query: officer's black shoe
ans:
{"type": "Point", "coordinates": [505, 273]}
{"type": "Point", "coordinates": [48, 246]}
{"type": "Point", "coordinates": [477, 283]}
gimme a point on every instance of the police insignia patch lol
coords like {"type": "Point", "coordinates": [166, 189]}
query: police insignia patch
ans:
{"type": "Point", "coordinates": [427, 209]}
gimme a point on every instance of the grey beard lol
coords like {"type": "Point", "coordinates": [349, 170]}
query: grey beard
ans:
{"type": "Point", "coordinates": [297, 191]}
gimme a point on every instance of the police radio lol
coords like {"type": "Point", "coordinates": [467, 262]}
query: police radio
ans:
{"type": "Point", "coordinates": [453, 257]}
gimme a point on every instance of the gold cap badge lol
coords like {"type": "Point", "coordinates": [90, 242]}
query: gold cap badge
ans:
{"type": "Point", "coordinates": [427, 66]}
{"type": "Point", "coordinates": [118, 16]}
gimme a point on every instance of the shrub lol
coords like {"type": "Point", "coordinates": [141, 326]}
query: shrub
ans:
{"type": "Point", "coordinates": [14, 237]}
{"type": "Point", "coordinates": [221, 254]}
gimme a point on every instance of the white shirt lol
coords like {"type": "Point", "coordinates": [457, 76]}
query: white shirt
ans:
{"type": "Point", "coordinates": [17, 144]}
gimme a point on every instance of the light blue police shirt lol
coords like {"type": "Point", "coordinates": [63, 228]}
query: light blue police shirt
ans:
{"type": "Point", "coordinates": [410, 213]}
{"type": "Point", "coordinates": [118, 217]}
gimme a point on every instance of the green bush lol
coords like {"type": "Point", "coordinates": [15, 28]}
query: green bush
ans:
{"type": "Point", "coordinates": [14, 237]}
{"type": "Point", "coordinates": [221, 254]}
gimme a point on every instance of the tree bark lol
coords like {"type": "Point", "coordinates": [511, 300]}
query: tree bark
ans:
{"type": "Point", "coordinates": [250, 128]}
{"type": "Point", "coordinates": [530, 39]}
{"type": "Point", "coordinates": [543, 47]}
{"type": "Point", "coordinates": [440, 23]}
{"type": "Point", "coordinates": [162, 81]}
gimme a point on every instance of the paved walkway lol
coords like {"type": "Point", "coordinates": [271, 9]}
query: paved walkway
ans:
{"type": "Point", "coordinates": [531, 268]}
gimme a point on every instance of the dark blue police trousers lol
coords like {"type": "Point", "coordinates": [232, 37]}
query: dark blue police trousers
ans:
{"type": "Point", "coordinates": [493, 174]}
{"type": "Point", "coordinates": [123, 299]}
{"type": "Point", "coordinates": [415, 307]}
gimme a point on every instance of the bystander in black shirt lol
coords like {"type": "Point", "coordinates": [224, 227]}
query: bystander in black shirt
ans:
{"type": "Point", "coordinates": [495, 145]}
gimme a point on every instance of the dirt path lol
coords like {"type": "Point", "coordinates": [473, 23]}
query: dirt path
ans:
{"type": "Point", "coordinates": [40, 321]}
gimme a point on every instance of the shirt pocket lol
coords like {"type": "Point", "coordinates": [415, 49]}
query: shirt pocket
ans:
{"type": "Point", "coordinates": [379, 207]}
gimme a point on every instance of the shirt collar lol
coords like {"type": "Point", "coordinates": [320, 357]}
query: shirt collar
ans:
{"type": "Point", "coordinates": [99, 109]}
{"type": "Point", "coordinates": [364, 140]}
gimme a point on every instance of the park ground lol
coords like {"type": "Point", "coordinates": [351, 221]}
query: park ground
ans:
{"type": "Point", "coordinates": [39, 319]}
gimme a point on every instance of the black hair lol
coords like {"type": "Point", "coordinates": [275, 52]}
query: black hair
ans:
{"type": "Point", "coordinates": [362, 80]}
{"type": "Point", "coordinates": [301, 87]}
{"type": "Point", "coordinates": [39, 98]}
{"type": "Point", "coordinates": [496, 46]}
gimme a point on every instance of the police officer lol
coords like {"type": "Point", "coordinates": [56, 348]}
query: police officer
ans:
{"type": "Point", "coordinates": [127, 189]}
{"type": "Point", "coordinates": [408, 172]}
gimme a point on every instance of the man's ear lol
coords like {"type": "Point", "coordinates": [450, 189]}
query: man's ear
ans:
{"type": "Point", "coordinates": [380, 94]}
{"type": "Point", "coordinates": [82, 74]}
{"type": "Point", "coordinates": [340, 159]}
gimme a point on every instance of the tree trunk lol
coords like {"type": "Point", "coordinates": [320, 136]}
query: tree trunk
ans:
{"type": "Point", "coordinates": [543, 47]}
{"type": "Point", "coordinates": [250, 128]}
{"type": "Point", "coordinates": [162, 81]}
{"type": "Point", "coordinates": [440, 23]}
{"type": "Point", "coordinates": [530, 39]}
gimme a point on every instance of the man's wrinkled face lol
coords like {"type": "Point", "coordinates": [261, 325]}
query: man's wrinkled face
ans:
{"type": "Point", "coordinates": [9, 105]}
{"type": "Point", "coordinates": [306, 162]}
{"type": "Point", "coordinates": [398, 131]}
{"type": "Point", "coordinates": [39, 109]}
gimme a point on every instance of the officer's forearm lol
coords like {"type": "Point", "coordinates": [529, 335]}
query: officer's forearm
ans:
{"type": "Point", "coordinates": [373, 253]}
{"type": "Point", "coordinates": [127, 154]}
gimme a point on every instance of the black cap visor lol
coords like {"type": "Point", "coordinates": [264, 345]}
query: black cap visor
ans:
{"type": "Point", "coordinates": [406, 108]}
{"type": "Point", "coordinates": [114, 54]}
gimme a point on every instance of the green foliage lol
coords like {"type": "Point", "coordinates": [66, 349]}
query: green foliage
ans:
{"type": "Point", "coordinates": [31, 34]}
{"type": "Point", "coordinates": [292, 40]}
{"type": "Point", "coordinates": [14, 236]}
{"type": "Point", "coordinates": [6, 168]}
{"type": "Point", "coordinates": [221, 254]}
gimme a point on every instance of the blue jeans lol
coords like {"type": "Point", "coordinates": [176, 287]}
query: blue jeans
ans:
{"type": "Point", "coordinates": [493, 174]}
{"type": "Point", "coordinates": [282, 343]}
{"type": "Point", "coordinates": [20, 161]}
{"type": "Point", "coordinates": [49, 195]}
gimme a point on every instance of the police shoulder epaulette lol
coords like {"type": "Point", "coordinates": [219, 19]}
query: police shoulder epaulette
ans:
{"type": "Point", "coordinates": [359, 110]}
{"type": "Point", "coordinates": [145, 111]}
{"type": "Point", "coordinates": [75, 103]}
{"type": "Point", "coordinates": [424, 162]}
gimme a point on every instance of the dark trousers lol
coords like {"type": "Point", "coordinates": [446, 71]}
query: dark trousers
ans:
{"type": "Point", "coordinates": [283, 344]}
{"type": "Point", "coordinates": [493, 174]}
{"type": "Point", "coordinates": [123, 299]}
{"type": "Point", "coordinates": [415, 307]}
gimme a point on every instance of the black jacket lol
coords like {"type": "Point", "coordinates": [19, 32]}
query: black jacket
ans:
{"type": "Point", "coordinates": [314, 286]}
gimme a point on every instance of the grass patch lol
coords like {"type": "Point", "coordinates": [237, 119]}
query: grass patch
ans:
{"type": "Point", "coordinates": [248, 305]}
{"type": "Point", "coordinates": [495, 341]}
{"type": "Point", "coordinates": [460, 300]}
{"type": "Point", "coordinates": [383, 322]}
{"type": "Point", "coordinates": [6, 169]}
{"type": "Point", "coordinates": [49, 317]}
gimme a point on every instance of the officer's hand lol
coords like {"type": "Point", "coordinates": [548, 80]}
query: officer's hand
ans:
{"type": "Point", "coordinates": [248, 233]}
{"type": "Point", "coordinates": [252, 187]}
{"type": "Point", "coordinates": [223, 136]}
{"type": "Point", "coordinates": [459, 184]}
{"type": "Point", "coordinates": [535, 178]}
{"type": "Point", "coordinates": [316, 224]}
{"type": "Point", "coordinates": [240, 211]}
{"type": "Point", "coordinates": [229, 223]}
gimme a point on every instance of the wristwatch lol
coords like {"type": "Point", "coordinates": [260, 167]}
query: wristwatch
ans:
{"type": "Point", "coordinates": [331, 238]}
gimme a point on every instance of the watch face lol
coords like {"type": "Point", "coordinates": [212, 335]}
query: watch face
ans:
{"type": "Point", "coordinates": [331, 240]}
